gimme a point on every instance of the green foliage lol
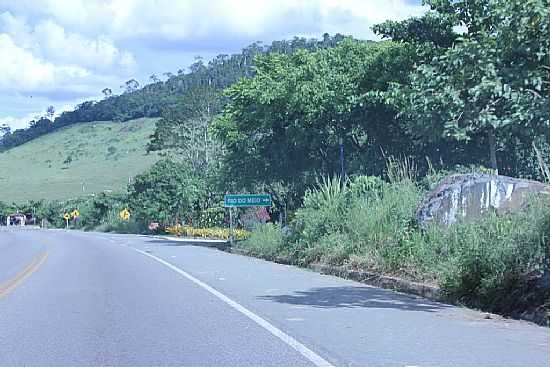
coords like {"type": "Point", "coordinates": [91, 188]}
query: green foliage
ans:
{"type": "Point", "coordinates": [365, 217]}
{"type": "Point", "coordinates": [378, 224]}
{"type": "Point", "coordinates": [430, 28]}
{"type": "Point", "coordinates": [167, 192]}
{"type": "Point", "coordinates": [361, 186]}
{"type": "Point", "coordinates": [322, 212]}
{"type": "Point", "coordinates": [495, 264]}
{"type": "Point", "coordinates": [401, 169]}
{"type": "Point", "coordinates": [266, 241]}
{"type": "Point", "coordinates": [285, 123]}
{"type": "Point", "coordinates": [492, 86]}
{"type": "Point", "coordinates": [211, 217]}
{"type": "Point", "coordinates": [184, 128]}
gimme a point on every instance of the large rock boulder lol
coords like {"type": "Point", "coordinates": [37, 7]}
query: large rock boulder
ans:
{"type": "Point", "coordinates": [469, 197]}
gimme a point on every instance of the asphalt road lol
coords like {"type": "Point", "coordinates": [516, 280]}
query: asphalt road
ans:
{"type": "Point", "coordinates": [83, 299]}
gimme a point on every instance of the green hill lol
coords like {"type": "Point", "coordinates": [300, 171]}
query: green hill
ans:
{"type": "Point", "coordinates": [78, 160]}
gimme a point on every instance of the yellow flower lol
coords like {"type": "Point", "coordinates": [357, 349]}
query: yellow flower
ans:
{"type": "Point", "coordinates": [212, 233]}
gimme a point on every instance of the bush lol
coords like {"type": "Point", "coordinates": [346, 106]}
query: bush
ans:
{"type": "Point", "coordinates": [211, 217]}
{"type": "Point", "coordinates": [268, 242]}
{"type": "Point", "coordinates": [333, 248]}
{"type": "Point", "coordinates": [378, 224]}
{"type": "Point", "coordinates": [365, 219]}
{"type": "Point", "coordinates": [167, 192]}
{"type": "Point", "coordinates": [495, 263]}
{"type": "Point", "coordinates": [119, 226]}
{"type": "Point", "coordinates": [322, 212]}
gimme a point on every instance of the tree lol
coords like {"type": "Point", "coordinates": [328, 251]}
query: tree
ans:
{"type": "Point", "coordinates": [50, 112]}
{"type": "Point", "coordinates": [5, 130]}
{"type": "Point", "coordinates": [184, 128]}
{"type": "Point", "coordinates": [430, 28]}
{"type": "Point", "coordinates": [107, 92]}
{"type": "Point", "coordinates": [285, 123]}
{"type": "Point", "coordinates": [166, 193]}
{"type": "Point", "coordinates": [493, 85]}
{"type": "Point", "coordinates": [130, 86]}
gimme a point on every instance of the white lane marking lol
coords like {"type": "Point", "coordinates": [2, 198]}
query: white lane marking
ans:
{"type": "Point", "coordinates": [313, 357]}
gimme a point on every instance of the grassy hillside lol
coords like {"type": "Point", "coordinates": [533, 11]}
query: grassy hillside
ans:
{"type": "Point", "coordinates": [79, 160]}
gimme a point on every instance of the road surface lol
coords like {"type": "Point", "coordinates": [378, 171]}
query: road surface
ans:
{"type": "Point", "coordinates": [84, 299]}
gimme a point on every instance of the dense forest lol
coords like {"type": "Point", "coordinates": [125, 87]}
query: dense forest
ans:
{"type": "Point", "coordinates": [151, 99]}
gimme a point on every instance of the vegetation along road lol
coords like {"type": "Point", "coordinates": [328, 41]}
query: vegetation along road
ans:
{"type": "Point", "coordinates": [86, 299]}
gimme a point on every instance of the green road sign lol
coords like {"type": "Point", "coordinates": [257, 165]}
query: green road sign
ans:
{"type": "Point", "coordinates": [244, 200]}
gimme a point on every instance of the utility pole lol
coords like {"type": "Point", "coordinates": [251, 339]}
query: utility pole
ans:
{"type": "Point", "coordinates": [342, 161]}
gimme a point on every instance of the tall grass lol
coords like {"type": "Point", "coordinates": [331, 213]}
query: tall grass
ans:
{"type": "Point", "coordinates": [403, 169]}
{"type": "Point", "coordinates": [267, 241]}
{"type": "Point", "coordinates": [543, 166]}
{"type": "Point", "coordinates": [495, 264]}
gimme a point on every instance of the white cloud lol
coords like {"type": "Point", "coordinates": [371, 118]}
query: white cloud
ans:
{"type": "Point", "coordinates": [51, 41]}
{"type": "Point", "coordinates": [19, 122]}
{"type": "Point", "coordinates": [186, 19]}
{"type": "Point", "coordinates": [63, 47]}
{"type": "Point", "coordinates": [21, 70]}
{"type": "Point", "coordinates": [44, 57]}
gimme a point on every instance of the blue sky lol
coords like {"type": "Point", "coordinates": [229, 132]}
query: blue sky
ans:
{"type": "Point", "coordinates": [62, 52]}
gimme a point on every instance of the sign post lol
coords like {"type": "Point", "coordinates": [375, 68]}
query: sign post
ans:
{"type": "Point", "coordinates": [66, 216]}
{"type": "Point", "coordinates": [243, 201]}
{"type": "Point", "coordinates": [231, 233]}
{"type": "Point", "coordinates": [75, 214]}
{"type": "Point", "coordinates": [246, 200]}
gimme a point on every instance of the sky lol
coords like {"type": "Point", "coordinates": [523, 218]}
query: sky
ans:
{"type": "Point", "coordinates": [63, 52]}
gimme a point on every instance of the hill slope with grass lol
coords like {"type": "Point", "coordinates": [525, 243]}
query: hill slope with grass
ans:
{"type": "Point", "coordinates": [78, 160]}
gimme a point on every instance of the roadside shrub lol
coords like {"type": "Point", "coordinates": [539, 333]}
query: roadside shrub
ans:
{"type": "Point", "coordinates": [267, 241]}
{"type": "Point", "coordinates": [362, 186]}
{"type": "Point", "coordinates": [364, 220]}
{"type": "Point", "coordinates": [119, 226]}
{"type": "Point", "coordinates": [166, 193]}
{"type": "Point", "coordinates": [333, 248]}
{"type": "Point", "coordinates": [495, 264]}
{"type": "Point", "coordinates": [378, 223]}
{"type": "Point", "coordinates": [323, 211]}
{"type": "Point", "coordinates": [253, 217]}
{"type": "Point", "coordinates": [211, 217]}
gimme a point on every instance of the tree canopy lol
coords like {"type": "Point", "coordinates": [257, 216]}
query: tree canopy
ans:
{"type": "Point", "coordinates": [285, 123]}
{"type": "Point", "coordinates": [492, 84]}
{"type": "Point", "coordinates": [167, 191]}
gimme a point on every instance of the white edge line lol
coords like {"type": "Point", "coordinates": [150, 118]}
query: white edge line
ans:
{"type": "Point", "coordinates": [313, 357]}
